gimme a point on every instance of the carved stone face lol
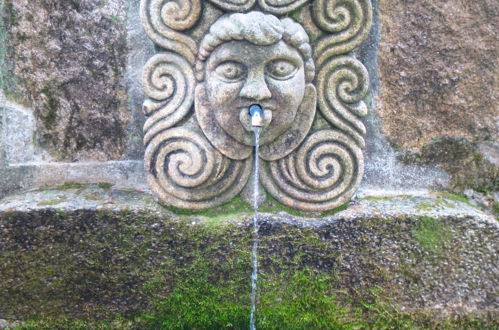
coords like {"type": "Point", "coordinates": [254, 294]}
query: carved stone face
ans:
{"type": "Point", "coordinates": [239, 74]}
{"type": "Point", "coordinates": [238, 55]}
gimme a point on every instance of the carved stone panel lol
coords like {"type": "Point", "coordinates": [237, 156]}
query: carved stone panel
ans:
{"type": "Point", "coordinates": [296, 59]}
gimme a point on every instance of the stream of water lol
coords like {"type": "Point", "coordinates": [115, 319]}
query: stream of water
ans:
{"type": "Point", "coordinates": [254, 274]}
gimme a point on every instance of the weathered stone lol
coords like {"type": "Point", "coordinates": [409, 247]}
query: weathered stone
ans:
{"type": "Point", "coordinates": [438, 71]}
{"type": "Point", "coordinates": [309, 162]}
{"type": "Point", "coordinates": [471, 164]}
{"type": "Point", "coordinates": [67, 60]}
{"type": "Point", "coordinates": [93, 251]}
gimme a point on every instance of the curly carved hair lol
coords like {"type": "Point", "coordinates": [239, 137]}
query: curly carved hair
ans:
{"type": "Point", "coordinates": [259, 29]}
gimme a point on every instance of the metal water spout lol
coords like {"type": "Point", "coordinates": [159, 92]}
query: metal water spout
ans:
{"type": "Point", "coordinates": [256, 114]}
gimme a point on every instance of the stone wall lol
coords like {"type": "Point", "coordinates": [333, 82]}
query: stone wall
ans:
{"type": "Point", "coordinates": [75, 66]}
{"type": "Point", "coordinates": [67, 62]}
{"type": "Point", "coordinates": [438, 76]}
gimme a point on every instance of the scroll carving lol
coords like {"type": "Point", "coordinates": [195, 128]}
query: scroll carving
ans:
{"type": "Point", "coordinates": [168, 81]}
{"type": "Point", "coordinates": [277, 7]}
{"type": "Point", "coordinates": [342, 85]}
{"type": "Point", "coordinates": [323, 174]}
{"type": "Point", "coordinates": [349, 23]}
{"type": "Point", "coordinates": [163, 18]}
{"type": "Point", "coordinates": [198, 137]}
{"type": "Point", "coordinates": [187, 172]}
{"type": "Point", "coordinates": [280, 7]}
{"type": "Point", "coordinates": [234, 5]}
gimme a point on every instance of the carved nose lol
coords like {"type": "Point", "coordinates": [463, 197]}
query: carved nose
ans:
{"type": "Point", "coordinates": [255, 88]}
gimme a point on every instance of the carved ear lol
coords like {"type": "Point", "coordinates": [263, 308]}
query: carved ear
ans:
{"type": "Point", "coordinates": [294, 136]}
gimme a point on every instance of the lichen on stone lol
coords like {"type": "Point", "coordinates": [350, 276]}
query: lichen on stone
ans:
{"type": "Point", "coordinates": [68, 60]}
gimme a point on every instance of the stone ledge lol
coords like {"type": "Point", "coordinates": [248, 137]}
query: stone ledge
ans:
{"type": "Point", "coordinates": [93, 251]}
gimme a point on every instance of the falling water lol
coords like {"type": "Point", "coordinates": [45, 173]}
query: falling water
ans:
{"type": "Point", "coordinates": [254, 275]}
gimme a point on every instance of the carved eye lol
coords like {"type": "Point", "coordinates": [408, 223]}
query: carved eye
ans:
{"type": "Point", "coordinates": [230, 71]}
{"type": "Point", "coordinates": [281, 69]}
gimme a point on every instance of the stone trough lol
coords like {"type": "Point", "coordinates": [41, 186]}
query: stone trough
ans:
{"type": "Point", "coordinates": [128, 164]}
{"type": "Point", "coordinates": [90, 251]}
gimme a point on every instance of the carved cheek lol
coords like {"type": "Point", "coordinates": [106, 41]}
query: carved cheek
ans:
{"type": "Point", "coordinates": [288, 94]}
{"type": "Point", "coordinates": [222, 93]}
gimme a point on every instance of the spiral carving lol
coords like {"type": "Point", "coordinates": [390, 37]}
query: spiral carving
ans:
{"type": "Point", "coordinates": [280, 7]}
{"type": "Point", "coordinates": [234, 5]}
{"type": "Point", "coordinates": [322, 174]}
{"type": "Point", "coordinates": [187, 172]}
{"type": "Point", "coordinates": [163, 18]}
{"type": "Point", "coordinates": [349, 22]}
{"type": "Point", "coordinates": [168, 81]}
{"type": "Point", "coordinates": [342, 84]}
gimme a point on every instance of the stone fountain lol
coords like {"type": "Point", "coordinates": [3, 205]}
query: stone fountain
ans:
{"type": "Point", "coordinates": [127, 157]}
{"type": "Point", "coordinates": [236, 56]}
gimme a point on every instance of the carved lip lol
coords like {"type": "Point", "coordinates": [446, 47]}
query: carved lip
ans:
{"type": "Point", "coordinates": [245, 119]}
{"type": "Point", "coordinates": [263, 105]}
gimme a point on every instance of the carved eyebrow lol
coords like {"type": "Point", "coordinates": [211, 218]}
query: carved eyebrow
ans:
{"type": "Point", "coordinates": [296, 60]}
{"type": "Point", "coordinates": [221, 59]}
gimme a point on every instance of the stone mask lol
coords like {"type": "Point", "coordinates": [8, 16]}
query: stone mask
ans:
{"type": "Point", "coordinates": [216, 58]}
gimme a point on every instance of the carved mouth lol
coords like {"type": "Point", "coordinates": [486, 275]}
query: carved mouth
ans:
{"type": "Point", "coordinates": [244, 118]}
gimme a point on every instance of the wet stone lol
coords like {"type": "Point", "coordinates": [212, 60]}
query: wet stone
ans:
{"type": "Point", "coordinates": [117, 251]}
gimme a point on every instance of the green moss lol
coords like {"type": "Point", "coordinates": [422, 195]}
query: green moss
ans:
{"type": "Point", "coordinates": [49, 118]}
{"type": "Point", "coordinates": [53, 201]}
{"type": "Point", "coordinates": [70, 185]}
{"type": "Point", "coordinates": [431, 233]}
{"type": "Point", "coordinates": [178, 276]}
{"type": "Point", "coordinates": [93, 197]}
{"type": "Point", "coordinates": [115, 20]}
{"type": "Point", "coordinates": [66, 186]}
{"type": "Point", "coordinates": [66, 323]}
{"type": "Point", "coordinates": [296, 15]}
{"type": "Point", "coordinates": [454, 197]}
{"type": "Point", "coordinates": [235, 206]}
{"type": "Point", "coordinates": [6, 80]}
{"type": "Point", "coordinates": [438, 202]}
{"type": "Point", "coordinates": [426, 206]}
{"type": "Point", "coordinates": [495, 209]}
{"type": "Point", "coordinates": [271, 205]}
{"type": "Point", "coordinates": [105, 185]}
{"type": "Point", "coordinates": [385, 198]}
{"type": "Point", "coordinates": [301, 300]}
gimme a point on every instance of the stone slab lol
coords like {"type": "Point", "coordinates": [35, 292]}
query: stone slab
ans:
{"type": "Point", "coordinates": [93, 251]}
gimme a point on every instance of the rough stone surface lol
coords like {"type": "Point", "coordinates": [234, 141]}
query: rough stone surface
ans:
{"type": "Point", "coordinates": [67, 60]}
{"type": "Point", "coordinates": [438, 70]}
{"type": "Point", "coordinates": [293, 60]}
{"type": "Point", "coordinates": [90, 251]}
{"type": "Point", "coordinates": [471, 164]}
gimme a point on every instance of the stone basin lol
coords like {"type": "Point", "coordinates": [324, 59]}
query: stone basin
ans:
{"type": "Point", "coordinates": [95, 251]}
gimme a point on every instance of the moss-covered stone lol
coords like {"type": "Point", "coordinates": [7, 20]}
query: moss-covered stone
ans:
{"type": "Point", "coordinates": [462, 159]}
{"type": "Point", "coordinates": [148, 268]}
{"type": "Point", "coordinates": [431, 234]}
